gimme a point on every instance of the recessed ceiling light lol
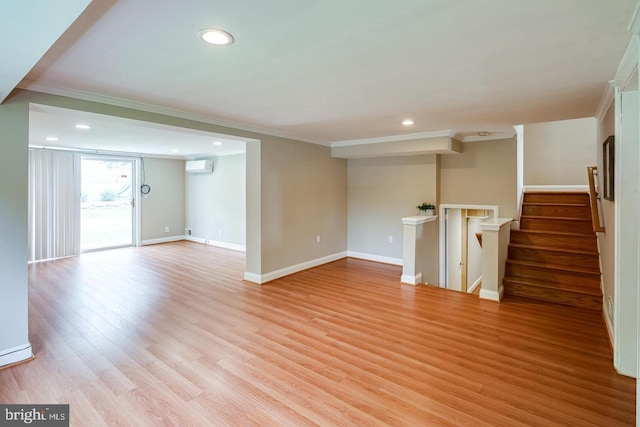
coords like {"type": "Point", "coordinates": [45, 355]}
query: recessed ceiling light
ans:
{"type": "Point", "coordinates": [407, 122]}
{"type": "Point", "coordinates": [51, 138]}
{"type": "Point", "coordinates": [216, 37]}
{"type": "Point", "coordinates": [79, 126]}
{"type": "Point", "coordinates": [217, 143]}
{"type": "Point", "coordinates": [175, 150]}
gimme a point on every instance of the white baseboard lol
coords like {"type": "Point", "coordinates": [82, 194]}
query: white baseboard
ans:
{"type": "Point", "coordinates": [161, 240]}
{"type": "Point", "coordinates": [411, 280]}
{"type": "Point", "coordinates": [225, 245]}
{"type": "Point", "coordinates": [267, 277]}
{"type": "Point", "coordinates": [492, 295]}
{"type": "Point", "coordinates": [252, 277]}
{"type": "Point", "coordinates": [584, 188]}
{"type": "Point", "coordinates": [475, 285]}
{"type": "Point", "coordinates": [607, 321]}
{"type": "Point", "coordinates": [16, 355]}
{"type": "Point", "coordinates": [376, 258]}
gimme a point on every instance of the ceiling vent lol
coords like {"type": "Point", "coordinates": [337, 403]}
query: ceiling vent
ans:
{"type": "Point", "coordinates": [199, 166]}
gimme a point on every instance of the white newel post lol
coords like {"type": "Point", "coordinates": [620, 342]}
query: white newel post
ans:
{"type": "Point", "coordinates": [495, 246]}
{"type": "Point", "coordinates": [415, 248]}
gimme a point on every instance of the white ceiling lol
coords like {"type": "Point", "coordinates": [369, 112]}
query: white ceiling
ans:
{"type": "Point", "coordinates": [335, 70]}
{"type": "Point", "coordinates": [116, 134]}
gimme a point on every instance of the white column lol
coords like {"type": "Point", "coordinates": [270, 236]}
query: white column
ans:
{"type": "Point", "coordinates": [495, 245]}
{"type": "Point", "coordinates": [418, 239]}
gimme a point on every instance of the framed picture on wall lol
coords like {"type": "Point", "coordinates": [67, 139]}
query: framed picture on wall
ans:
{"type": "Point", "coordinates": [608, 168]}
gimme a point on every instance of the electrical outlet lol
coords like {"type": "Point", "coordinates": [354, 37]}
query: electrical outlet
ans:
{"type": "Point", "coordinates": [318, 238]}
{"type": "Point", "coordinates": [390, 238]}
{"type": "Point", "coordinates": [166, 229]}
{"type": "Point", "coordinates": [220, 232]}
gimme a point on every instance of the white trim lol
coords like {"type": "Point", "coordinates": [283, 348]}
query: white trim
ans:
{"type": "Point", "coordinates": [273, 275]}
{"type": "Point", "coordinates": [16, 354]}
{"type": "Point", "coordinates": [411, 280]}
{"type": "Point", "coordinates": [475, 285]}
{"type": "Point", "coordinates": [125, 103]}
{"type": "Point", "coordinates": [442, 264]}
{"type": "Point", "coordinates": [490, 137]}
{"type": "Point", "coordinates": [634, 23]}
{"type": "Point", "coordinates": [419, 219]}
{"type": "Point", "coordinates": [607, 321]}
{"type": "Point", "coordinates": [628, 65]}
{"type": "Point", "coordinates": [605, 100]}
{"type": "Point", "coordinates": [216, 243]}
{"type": "Point", "coordinates": [162, 240]}
{"type": "Point", "coordinates": [393, 138]}
{"type": "Point", "coordinates": [196, 239]}
{"type": "Point", "coordinates": [492, 295]}
{"type": "Point", "coordinates": [37, 261]}
{"type": "Point", "coordinates": [495, 224]}
{"type": "Point", "coordinates": [252, 277]}
{"type": "Point", "coordinates": [376, 258]}
{"type": "Point", "coordinates": [580, 188]}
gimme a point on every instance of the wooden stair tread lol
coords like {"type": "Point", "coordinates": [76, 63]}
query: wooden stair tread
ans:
{"type": "Point", "coordinates": [555, 204]}
{"type": "Point", "coordinates": [561, 233]}
{"type": "Point", "coordinates": [554, 255]}
{"type": "Point", "coordinates": [553, 249]}
{"type": "Point", "coordinates": [561, 193]}
{"type": "Point", "coordinates": [559, 267]}
{"type": "Point", "coordinates": [580, 289]}
{"type": "Point", "coordinates": [564, 218]}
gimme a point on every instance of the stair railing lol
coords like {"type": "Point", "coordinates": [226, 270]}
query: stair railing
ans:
{"type": "Point", "coordinates": [594, 198]}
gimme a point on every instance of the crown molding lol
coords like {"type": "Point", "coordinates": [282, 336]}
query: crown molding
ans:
{"type": "Point", "coordinates": [605, 101]}
{"type": "Point", "coordinates": [634, 23]}
{"type": "Point", "coordinates": [425, 135]}
{"type": "Point", "coordinates": [628, 65]}
{"type": "Point", "coordinates": [491, 137]}
{"type": "Point", "coordinates": [126, 103]}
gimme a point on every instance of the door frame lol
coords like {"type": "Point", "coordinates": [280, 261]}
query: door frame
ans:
{"type": "Point", "coordinates": [442, 210]}
{"type": "Point", "coordinates": [135, 178]}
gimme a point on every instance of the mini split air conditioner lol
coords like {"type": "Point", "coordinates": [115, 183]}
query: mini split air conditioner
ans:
{"type": "Point", "coordinates": [199, 166]}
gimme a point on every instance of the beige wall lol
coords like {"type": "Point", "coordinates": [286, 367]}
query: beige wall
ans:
{"type": "Point", "coordinates": [381, 192]}
{"type": "Point", "coordinates": [14, 142]}
{"type": "Point", "coordinates": [289, 182]}
{"type": "Point", "coordinates": [558, 153]}
{"type": "Point", "coordinates": [484, 174]}
{"type": "Point", "coordinates": [304, 195]}
{"type": "Point", "coordinates": [606, 240]}
{"type": "Point", "coordinates": [253, 203]}
{"type": "Point", "coordinates": [164, 206]}
{"type": "Point", "coordinates": [215, 203]}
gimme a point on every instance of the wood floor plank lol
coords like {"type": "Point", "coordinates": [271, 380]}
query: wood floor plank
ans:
{"type": "Point", "coordinates": [170, 334]}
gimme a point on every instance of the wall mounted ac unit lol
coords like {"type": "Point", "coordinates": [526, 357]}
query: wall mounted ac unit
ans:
{"type": "Point", "coordinates": [199, 166]}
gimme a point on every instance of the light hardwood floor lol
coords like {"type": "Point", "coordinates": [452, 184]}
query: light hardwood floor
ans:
{"type": "Point", "coordinates": [171, 335]}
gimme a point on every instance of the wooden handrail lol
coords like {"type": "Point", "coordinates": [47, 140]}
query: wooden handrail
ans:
{"type": "Point", "coordinates": [592, 172]}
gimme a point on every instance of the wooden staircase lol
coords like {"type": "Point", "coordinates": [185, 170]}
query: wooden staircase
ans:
{"type": "Point", "coordinates": [554, 256]}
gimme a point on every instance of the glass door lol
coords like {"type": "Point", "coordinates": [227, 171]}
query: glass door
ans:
{"type": "Point", "coordinates": [107, 203]}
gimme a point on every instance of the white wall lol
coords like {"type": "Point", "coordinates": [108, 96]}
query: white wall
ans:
{"type": "Point", "coordinates": [216, 203]}
{"type": "Point", "coordinates": [558, 153]}
{"type": "Point", "coordinates": [474, 252]}
{"type": "Point", "coordinates": [454, 249]}
{"type": "Point", "coordinates": [627, 213]}
{"type": "Point", "coordinates": [164, 205]}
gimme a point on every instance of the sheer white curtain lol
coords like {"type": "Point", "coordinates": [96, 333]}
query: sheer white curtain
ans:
{"type": "Point", "coordinates": [54, 204]}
